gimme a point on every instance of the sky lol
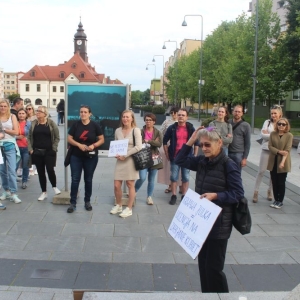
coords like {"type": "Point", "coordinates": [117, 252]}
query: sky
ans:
{"type": "Point", "coordinates": [123, 36]}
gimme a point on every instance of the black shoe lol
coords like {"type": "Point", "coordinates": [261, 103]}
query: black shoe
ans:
{"type": "Point", "coordinates": [88, 206]}
{"type": "Point", "coordinates": [278, 204]}
{"type": "Point", "coordinates": [182, 197]}
{"type": "Point", "coordinates": [274, 204]}
{"type": "Point", "coordinates": [71, 209]}
{"type": "Point", "coordinates": [173, 200]}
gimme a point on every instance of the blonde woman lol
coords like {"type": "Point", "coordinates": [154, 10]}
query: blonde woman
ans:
{"type": "Point", "coordinates": [125, 169]}
{"type": "Point", "coordinates": [43, 139]}
{"type": "Point", "coordinates": [268, 127]}
{"type": "Point", "coordinates": [279, 163]}
{"type": "Point", "coordinates": [9, 147]}
{"type": "Point", "coordinates": [30, 112]}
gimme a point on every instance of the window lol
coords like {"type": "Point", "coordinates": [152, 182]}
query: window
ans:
{"type": "Point", "coordinates": [32, 73]}
{"type": "Point", "coordinates": [8, 87]}
{"type": "Point", "coordinates": [62, 89]}
{"type": "Point", "coordinates": [7, 76]}
{"type": "Point", "coordinates": [12, 82]}
{"type": "Point", "coordinates": [296, 95]}
{"type": "Point", "coordinates": [38, 101]}
{"type": "Point", "coordinates": [54, 89]}
{"type": "Point", "coordinates": [264, 103]}
{"type": "Point", "coordinates": [7, 82]}
{"type": "Point", "coordinates": [27, 101]}
{"type": "Point", "coordinates": [38, 87]}
{"type": "Point", "coordinates": [81, 75]}
{"type": "Point", "coordinates": [27, 88]}
{"type": "Point", "coordinates": [53, 101]}
{"type": "Point", "coordinates": [73, 66]}
{"type": "Point", "coordinates": [62, 75]}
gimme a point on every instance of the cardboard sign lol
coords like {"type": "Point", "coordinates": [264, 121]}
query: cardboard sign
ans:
{"type": "Point", "coordinates": [193, 221]}
{"type": "Point", "coordinates": [118, 147]}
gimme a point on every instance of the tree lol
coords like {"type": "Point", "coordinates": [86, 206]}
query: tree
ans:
{"type": "Point", "coordinates": [136, 98]}
{"type": "Point", "coordinates": [12, 97]}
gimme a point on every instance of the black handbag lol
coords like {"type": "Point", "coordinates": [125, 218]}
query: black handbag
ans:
{"type": "Point", "coordinates": [241, 219]}
{"type": "Point", "coordinates": [39, 152]}
{"type": "Point", "coordinates": [68, 156]}
{"type": "Point", "coordinates": [143, 158]}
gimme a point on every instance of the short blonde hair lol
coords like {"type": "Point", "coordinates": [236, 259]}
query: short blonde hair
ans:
{"type": "Point", "coordinates": [45, 110]}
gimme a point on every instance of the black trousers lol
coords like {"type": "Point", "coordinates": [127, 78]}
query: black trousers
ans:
{"type": "Point", "coordinates": [48, 162]}
{"type": "Point", "coordinates": [278, 182]}
{"type": "Point", "coordinates": [211, 261]}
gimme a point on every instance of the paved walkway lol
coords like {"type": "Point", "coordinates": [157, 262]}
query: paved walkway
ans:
{"type": "Point", "coordinates": [98, 251]}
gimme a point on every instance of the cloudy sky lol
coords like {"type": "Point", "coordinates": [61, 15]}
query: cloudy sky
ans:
{"type": "Point", "coordinates": [122, 35]}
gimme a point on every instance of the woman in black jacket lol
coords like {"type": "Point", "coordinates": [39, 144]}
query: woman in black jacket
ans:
{"type": "Point", "coordinates": [218, 179]}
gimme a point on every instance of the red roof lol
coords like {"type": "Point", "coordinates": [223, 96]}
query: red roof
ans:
{"type": "Point", "coordinates": [76, 66]}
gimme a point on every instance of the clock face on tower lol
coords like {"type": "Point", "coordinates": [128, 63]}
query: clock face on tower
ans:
{"type": "Point", "coordinates": [79, 42]}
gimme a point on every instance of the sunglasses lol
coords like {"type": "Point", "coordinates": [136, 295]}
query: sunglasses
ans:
{"type": "Point", "coordinates": [281, 124]}
{"type": "Point", "coordinates": [148, 120]}
{"type": "Point", "coordinates": [206, 145]}
{"type": "Point", "coordinates": [28, 108]}
{"type": "Point", "coordinates": [276, 106]}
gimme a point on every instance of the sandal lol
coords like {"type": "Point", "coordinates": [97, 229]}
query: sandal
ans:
{"type": "Point", "coordinates": [168, 190]}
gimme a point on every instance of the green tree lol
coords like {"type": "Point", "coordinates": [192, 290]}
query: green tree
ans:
{"type": "Point", "coordinates": [136, 98]}
{"type": "Point", "coordinates": [12, 97]}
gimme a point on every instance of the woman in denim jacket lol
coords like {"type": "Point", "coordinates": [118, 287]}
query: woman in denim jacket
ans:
{"type": "Point", "coordinates": [24, 126]}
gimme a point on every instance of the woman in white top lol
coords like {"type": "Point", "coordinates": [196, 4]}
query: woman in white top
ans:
{"type": "Point", "coordinates": [8, 146]}
{"type": "Point", "coordinates": [268, 127]}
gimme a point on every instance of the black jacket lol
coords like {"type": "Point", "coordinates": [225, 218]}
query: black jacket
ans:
{"type": "Point", "coordinates": [170, 135]}
{"type": "Point", "coordinates": [220, 175]}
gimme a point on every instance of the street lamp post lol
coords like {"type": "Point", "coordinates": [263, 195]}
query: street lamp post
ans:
{"type": "Point", "coordinates": [154, 78]}
{"type": "Point", "coordinates": [163, 79]}
{"type": "Point", "coordinates": [201, 55]}
{"type": "Point", "coordinates": [176, 69]}
{"type": "Point", "coordinates": [254, 69]}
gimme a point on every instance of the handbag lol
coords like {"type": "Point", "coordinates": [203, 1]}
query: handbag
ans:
{"type": "Point", "coordinates": [68, 156]}
{"type": "Point", "coordinates": [142, 159]}
{"type": "Point", "coordinates": [39, 152]}
{"type": "Point", "coordinates": [260, 141]}
{"type": "Point", "coordinates": [157, 159]}
{"type": "Point", "coordinates": [241, 219]}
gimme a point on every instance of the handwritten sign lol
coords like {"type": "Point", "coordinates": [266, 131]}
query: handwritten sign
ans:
{"type": "Point", "coordinates": [118, 147]}
{"type": "Point", "coordinates": [193, 221]}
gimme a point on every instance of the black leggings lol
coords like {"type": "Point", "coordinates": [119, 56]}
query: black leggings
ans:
{"type": "Point", "coordinates": [278, 182]}
{"type": "Point", "coordinates": [48, 162]}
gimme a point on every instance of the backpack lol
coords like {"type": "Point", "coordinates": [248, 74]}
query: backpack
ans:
{"type": "Point", "coordinates": [241, 219]}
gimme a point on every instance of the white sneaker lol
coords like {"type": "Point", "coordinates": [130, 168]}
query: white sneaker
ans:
{"type": "Point", "coordinates": [5, 195]}
{"type": "Point", "coordinates": [149, 201]}
{"type": "Point", "coordinates": [56, 191]}
{"type": "Point", "coordinates": [116, 209]}
{"type": "Point", "coordinates": [15, 198]}
{"type": "Point", "coordinates": [42, 197]}
{"type": "Point", "coordinates": [127, 212]}
{"type": "Point", "coordinates": [36, 172]}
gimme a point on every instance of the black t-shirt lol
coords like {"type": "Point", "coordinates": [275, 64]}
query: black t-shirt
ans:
{"type": "Point", "coordinates": [42, 137]}
{"type": "Point", "coordinates": [84, 134]}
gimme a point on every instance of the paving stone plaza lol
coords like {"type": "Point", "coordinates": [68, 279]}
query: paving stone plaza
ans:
{"type": "Point", "coordinates": [102, 252]}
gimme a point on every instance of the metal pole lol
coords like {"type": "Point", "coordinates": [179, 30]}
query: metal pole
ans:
{"type": "Point", "coordinates": [254, 69]}
{"type": "Point", "coordinates": [201, 58]}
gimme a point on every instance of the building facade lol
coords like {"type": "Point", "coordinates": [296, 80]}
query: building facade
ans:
{"type": "Point", "coordinates": [46, 85]}
{"type": "Point", "coordinates": [1, 84]}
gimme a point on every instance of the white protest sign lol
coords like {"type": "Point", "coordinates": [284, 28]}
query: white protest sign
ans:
{"type": "Point", "coordinates": [118, 147]}
{"type": "Point", "coordinates": [193, 221]}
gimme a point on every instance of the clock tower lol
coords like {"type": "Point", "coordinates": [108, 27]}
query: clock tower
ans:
{"type": "Point", "coordinates": [80, 42]}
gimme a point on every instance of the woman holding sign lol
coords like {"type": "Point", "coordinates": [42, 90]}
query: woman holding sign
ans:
{"type": "Point", "coordinates": [125, 169]}
{"type": "Point", "coordinates": [85, 136]}
{"type": "Point", "coordinates": [218, 179]}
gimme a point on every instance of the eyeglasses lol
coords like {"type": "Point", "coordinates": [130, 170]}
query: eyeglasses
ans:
{"type": "Point", "coordinates": [276, 106]}
{"type": "Point", "coordinates": [206, 145]}
{"type": "Point", "coordinates": [181, 115]}
{"type": "Point", "coordinates": [40, 111]}
{"type": "Point", "coordinates": [281, 124]}
{"type": "Point", "coordinates": [148, 120]}
{"type": "Point", "coordinates": [28, 108]}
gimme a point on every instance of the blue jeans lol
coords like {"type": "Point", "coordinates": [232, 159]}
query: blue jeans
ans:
{"type": "Point", "coordinates": [24, 158]}
{"type": "Point", "coordinates": [88, 165]}
{"type": "Point", "coordinates": [185, 173]}
{"type": "Point", "coordinates": [237, 157]}
{"type": "Point", "coordinates": [151, 176]}
{"type": "Point", "coordinates": [8, 171]}
{"type": "Point", "coordinates": [225, 150]}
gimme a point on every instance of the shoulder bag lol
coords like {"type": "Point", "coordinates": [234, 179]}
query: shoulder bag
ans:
{"type": "Point", "coordinates": [143, 158]}
{"type": "Point", "coordinates": [241, 217]}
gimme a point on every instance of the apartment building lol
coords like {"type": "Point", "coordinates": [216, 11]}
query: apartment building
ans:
{"type": "Point", "coordinates": [10, 83]}
{"type": "Point", "coordinates": [1, 84]}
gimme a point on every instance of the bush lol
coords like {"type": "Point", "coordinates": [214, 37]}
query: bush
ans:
{"type": "Point", "coordinates": [147, 108]}
{"type": "Point", "coordinates": [205, 122]}
{"type": "Point", "coordinates": [159, 110]}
